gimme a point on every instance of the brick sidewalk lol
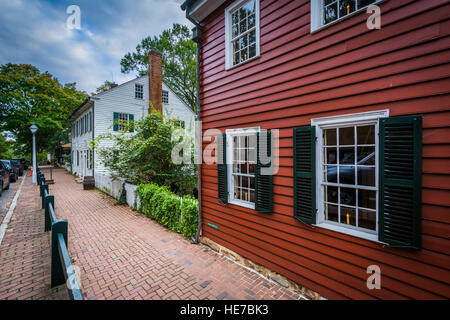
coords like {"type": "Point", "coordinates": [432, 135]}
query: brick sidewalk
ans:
{"type": "Point", "coordinates": [124, 255]}
{"type": "Point", "coordinates": [25, 252]}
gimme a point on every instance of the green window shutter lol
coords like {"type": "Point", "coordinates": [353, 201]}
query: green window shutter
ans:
{"type": "Point", "coordinates": [305, 174]}
{"type": "Point", "coordinates": [263, 183]}
{"type": "Point", "coordinates": [222, 174]}
{"type": "Point", "coordinates": [116, 121]}
{"type": "Point", "coordinates": [400, 176]}
{"type": "Point", "coordinates": [131, 121]}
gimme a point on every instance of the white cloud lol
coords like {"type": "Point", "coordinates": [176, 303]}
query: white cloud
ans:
{"type": "Point", "coordinates": [35, 32]}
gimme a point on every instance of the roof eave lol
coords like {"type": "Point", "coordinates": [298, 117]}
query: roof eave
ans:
{"type": "Point", "coordinates": [199, 10]}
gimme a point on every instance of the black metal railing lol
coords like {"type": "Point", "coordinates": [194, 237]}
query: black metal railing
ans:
{"type": "Point", "coordinates": [62, 270]}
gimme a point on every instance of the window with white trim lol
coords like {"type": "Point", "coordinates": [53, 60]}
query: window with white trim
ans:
{"type": "Point", "coordinates": [326, 12]}
{"type": "Point", "coordinates": [241, 152]}
{"type": "Point", "coordinates": [165, 96]}
{"type": "Point", "coordinates": [347, 186]}
{"type": "Point", "coordinates": [241, 32]}
{"type": "Point", "coordinates": [139, 91]}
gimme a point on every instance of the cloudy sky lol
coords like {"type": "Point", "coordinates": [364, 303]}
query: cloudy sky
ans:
{"type": "Point", "coordinates": [35, 32]}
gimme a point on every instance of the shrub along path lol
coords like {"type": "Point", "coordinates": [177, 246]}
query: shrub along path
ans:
{"type": "Point", "coordinates": [122, 254]}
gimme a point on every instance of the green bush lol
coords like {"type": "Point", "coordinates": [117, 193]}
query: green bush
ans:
{"type": "Point", "coordinates": [176, 213]}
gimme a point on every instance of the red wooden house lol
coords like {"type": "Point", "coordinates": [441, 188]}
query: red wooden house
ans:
{"type": "Point", "coordinates": [363, 118]}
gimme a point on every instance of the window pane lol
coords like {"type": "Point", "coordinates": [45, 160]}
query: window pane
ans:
{"type": "Point", "coordinates": [330, 155]}
{"type": "Point", "coordinates": [243, 26]}
{"type": "Point", "coordinates": [366, 176]}
{"type": "Point", "coordinates": [251, 21]}
{"type": "Point", "coordinates": [367, 219]}
{"type": "Point", "coordinates": [348, 216]}
{"type": "Point", "coordinates": [251, 168]}
{"type": "Point", "coordinates": [348, 196]}
{"type": "Point", "coordinates": [244, 168]}
{"type": "Point", "coordinates": [366, 135]}
{"type": "Point", "coordinates": [235, 30]}
{"type": "Point", "coordinates": [347, 155]}
{"type": "Point", "coordinates": [331, 174]}
{"type": "Point", "coordinates": [347, 174]}
{"type": "Point", "coordinates": [331, 212]}
{"type": "Point", "coordinates": [252, 51]}
{"type": "Point", "coordinates": [252, 37]}
{"type": "Point", "coordinates": [245, 182]}
{"type": "Point", "coordinates": [346, 7]}
{"type": "Point", "coordinates": [366, 156]}
{"type": "Point", "coordinates": [367, 199]}
{"type": "Point", "coordinates": [252, 183]}
{"type": "Point", "coordinates": [252, 196]}
{"type": "Point", "coordinates": [347, 136]}
{"type": "Point", "coordinates": [329, 137]}
{"type": "Point", "coordinates": [236, 168]}
{"type": "Point", "coordinates": [235, 17]}
{"type": "Point", "coordinates": [331, 194]}
{"type": "Point", "coordinates": [330, 13]}
{"type": "Point", "coordinates": [252, 155]}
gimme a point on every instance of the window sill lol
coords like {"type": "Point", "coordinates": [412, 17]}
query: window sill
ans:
{"type": "Point", "coordinates": [242, 204]}
{"type": "Point", "coordinates": [242, 63]}
{"type": "Point", "coordinates": [350, 232]}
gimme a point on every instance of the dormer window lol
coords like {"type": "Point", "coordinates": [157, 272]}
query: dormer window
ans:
{"type": "Point", "coordinates": [139, 91]}
{"type": "Point", "coordinates": [241, 32]}
{"type": "Point", "coordinates": [327, 12]}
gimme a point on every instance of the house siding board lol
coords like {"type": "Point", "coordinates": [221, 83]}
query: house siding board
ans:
{"type": "Point", "coordinates": [344, 68]}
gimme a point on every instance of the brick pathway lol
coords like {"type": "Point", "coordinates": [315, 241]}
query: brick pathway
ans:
{"type": "Point", "coordinates": [25, 252]}
{"type": "Point", "coordinates": [122, 254]}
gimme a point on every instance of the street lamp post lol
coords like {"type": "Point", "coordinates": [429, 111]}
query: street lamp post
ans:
{"type": "Point", "coordinates": [33, 130]}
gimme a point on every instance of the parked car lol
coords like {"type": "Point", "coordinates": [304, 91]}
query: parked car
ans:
{"type": "Point", "coordinates": [17, 164]}
{"type": "Point", "coordinates": [23, 162]}
{"type": "Point", "coordinates": [13, 171]}
{"type": "Point", "coordinates": [4, 178]}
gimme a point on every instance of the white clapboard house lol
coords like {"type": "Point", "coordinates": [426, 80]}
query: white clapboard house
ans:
{"type": "Point", "coordinates": [99, 113]}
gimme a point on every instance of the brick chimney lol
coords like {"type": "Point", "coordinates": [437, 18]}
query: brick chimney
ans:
{"type": "Point", "coordinates": [155, 80]}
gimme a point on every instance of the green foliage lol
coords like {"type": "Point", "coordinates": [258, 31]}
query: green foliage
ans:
{"type": "Point", "coordinates": [104, 87]}
{"type": "Point", "coordinates": [28, 97]}
{"type": "Point", "coordinates": [179, 54]}
{"type": "Point", "coordinates": [6, 148]}
{"type": "Point", "coordinates": [179, 214]}
{"type": "Point", "coordinates": [145, 157]}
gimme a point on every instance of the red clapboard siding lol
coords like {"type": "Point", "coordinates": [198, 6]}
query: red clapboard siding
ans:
{"type": "Point", "coordinates": [342, 69]}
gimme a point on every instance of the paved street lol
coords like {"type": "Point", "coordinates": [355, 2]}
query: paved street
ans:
{"type": "Point", "coordinates": [122, 254]}
{"type": "Point", "coordinates": [7, 197]}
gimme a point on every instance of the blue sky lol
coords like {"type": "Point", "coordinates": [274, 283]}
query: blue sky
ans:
{"type": "Point", "coordinates": [35, 32]}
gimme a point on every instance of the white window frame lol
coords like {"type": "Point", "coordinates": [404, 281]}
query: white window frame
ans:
{"type": "Point", "coordinates": [317, 15]}
{"type": "Point", "coordinates": [229, 161]}
{"type": "Point", "coordinates": [371, 117]}
{"type": "Point", "coordinates": [228, 34]}
{"type": "Point", "coordinates": [136, 85]}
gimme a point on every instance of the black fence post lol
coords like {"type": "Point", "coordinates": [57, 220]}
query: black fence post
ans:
{"type": "Point", "coordinates": [44, 187]}
{"type": "Point", "coordinates": [57, 272]}
{"type": "Point", "coordinates": [49, 199]}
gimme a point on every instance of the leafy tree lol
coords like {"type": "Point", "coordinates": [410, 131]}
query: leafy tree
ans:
{"type": "Point", "coordinates": [6, 148]}
{"type": "Point", "coordinates": [28, 96]}
{"type": "Point", "coordinates": [146, 156]}
{"type": "Point", "coordinates": [179, 55]}
{"type": "Point", "coordinates": [104, 87]}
